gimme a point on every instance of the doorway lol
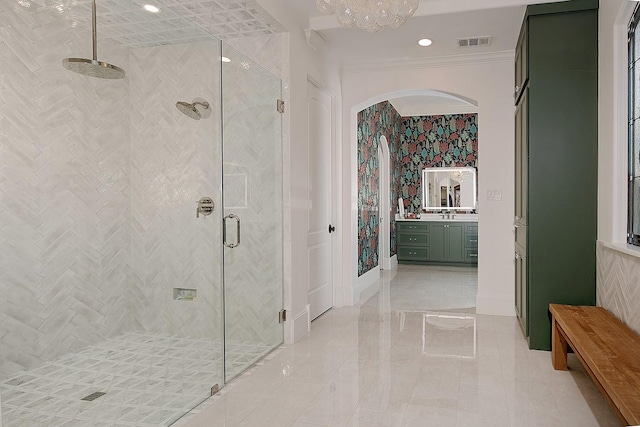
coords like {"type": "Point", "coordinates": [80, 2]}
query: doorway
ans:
{"type": "Point", "coordinates": [320, 227]}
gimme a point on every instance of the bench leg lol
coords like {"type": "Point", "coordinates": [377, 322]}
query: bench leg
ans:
{"type": "Point", "coordinates": [558, 347]}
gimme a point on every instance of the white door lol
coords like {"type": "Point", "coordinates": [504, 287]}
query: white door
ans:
{"type": "Point", "coordinates": [319, 201]}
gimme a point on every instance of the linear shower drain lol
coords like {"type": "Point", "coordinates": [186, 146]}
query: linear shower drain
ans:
{"type": "Point", "coordinates": [94, 396]}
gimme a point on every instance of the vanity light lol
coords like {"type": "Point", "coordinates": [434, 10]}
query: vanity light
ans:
{"type": "Point", "coordinates": [425, 42]}
{"type": "Point", "coordinates": [151, 8]}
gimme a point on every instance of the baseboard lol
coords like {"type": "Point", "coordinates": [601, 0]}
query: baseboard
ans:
{"type": "Point", "coordinates": [497, 305]}
{"type": "Point", "coordinates": [366, 285]}
{"type": "Point", "coordinates": [393, 263]}
{"type": "Point", "coordinates": [301, 324]}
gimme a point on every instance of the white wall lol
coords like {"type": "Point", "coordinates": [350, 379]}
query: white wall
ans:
{"type": "Point", "coordinates": [618, 264]}
{"type": "Point", "coordinates": [489, 81]}
{"type": "Point", "coordinates": [302, 62]}
{"type": "Point", "coordinates": [613, 17]}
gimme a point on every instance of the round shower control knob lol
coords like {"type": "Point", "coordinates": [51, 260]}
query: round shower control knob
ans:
{"type": "Point", "coordinates": [205, 206]}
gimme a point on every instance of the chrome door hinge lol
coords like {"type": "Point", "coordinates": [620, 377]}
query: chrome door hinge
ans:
{"type": "Point", "coordinates": [280, 106]}
{"type": "Point", "coordinates": [282, 316]}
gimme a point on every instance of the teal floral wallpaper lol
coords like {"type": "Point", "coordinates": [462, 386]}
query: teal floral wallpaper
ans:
{"type": "Point", "coordinates": [379, 119]}
{"type": "Point", "coordinates": [434, 141]}
{"type": "Point", "coordinates": [414, 143]}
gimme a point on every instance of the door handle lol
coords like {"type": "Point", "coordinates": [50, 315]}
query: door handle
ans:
{"type": "Point", "coordinates": [331, 229]}
{"type": "Point", "coordinates": [224, 231]}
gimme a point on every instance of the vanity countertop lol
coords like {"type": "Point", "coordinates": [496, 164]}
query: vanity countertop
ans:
{"type": "Point", "coordinates": [438, 217]}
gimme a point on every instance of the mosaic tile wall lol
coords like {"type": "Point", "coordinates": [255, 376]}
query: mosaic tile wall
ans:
{"type": "Point", "coordinates": [434, 141]}
{"type": "Point", "coordinates": [617, 285]}
{"type": "Point", "coordinates": [377, 120]}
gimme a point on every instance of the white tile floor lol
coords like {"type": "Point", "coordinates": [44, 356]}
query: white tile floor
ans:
{"type": "Point", "coordinates": [149, 380]}
{"type": "Point", "coordinates": [414, 354]}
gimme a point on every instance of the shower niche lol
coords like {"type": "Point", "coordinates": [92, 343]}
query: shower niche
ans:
{"type": "Point", "coordinates": [121, 288]}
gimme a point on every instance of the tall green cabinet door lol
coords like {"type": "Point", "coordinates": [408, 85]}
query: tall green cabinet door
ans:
{"type": "Point", "coordinates": [556, 162]}
{"type": "Point", "coordinates": [438, 237]}
{"type": "Point", "coordinates": [455, 242]}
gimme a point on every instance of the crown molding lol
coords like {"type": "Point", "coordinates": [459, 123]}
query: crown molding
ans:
{"type": "Point", "coordinates": [438, 62]}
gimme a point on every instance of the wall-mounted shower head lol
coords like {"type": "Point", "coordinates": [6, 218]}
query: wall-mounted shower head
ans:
{"type": "Point", "coordinates": [190, 110]}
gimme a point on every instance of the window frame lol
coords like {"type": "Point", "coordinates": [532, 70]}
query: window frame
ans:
{"type": "Point", "coordinates": [633, 146]}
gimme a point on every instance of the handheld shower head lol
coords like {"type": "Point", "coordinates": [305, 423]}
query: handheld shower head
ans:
{"type": "Point", "coordinates": [190, 110]}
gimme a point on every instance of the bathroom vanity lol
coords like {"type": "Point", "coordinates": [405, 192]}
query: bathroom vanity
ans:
{"type": "Point", "coordinates": [436, 239]}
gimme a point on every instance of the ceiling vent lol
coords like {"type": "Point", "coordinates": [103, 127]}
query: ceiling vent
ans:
{"type": "Point", "coordinates": [474, 41]}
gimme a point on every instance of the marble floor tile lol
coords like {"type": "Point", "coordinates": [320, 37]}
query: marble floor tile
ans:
{"type": "Point", "coordinates": [413, 354]}
{"type": "Point", "coordinates": [416, 354]}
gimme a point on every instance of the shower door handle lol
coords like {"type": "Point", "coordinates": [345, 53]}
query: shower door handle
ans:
{"type": "Point", "coordinates": [224, 231]}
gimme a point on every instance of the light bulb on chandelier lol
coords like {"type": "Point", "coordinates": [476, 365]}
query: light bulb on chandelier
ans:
{"type": "Point", "coordinates": [370, 15]}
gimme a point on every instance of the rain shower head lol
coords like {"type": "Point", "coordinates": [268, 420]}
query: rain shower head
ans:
{"type": "Point", "coordinates": [190, 110]}
{"type": "Point", "coordinates": [93, 67]}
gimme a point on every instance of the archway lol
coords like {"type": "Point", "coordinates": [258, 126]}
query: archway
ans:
{"type": "Point", "coordinates": [364, 277]}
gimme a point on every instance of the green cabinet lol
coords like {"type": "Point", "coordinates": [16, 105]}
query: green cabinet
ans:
{"type": "Point", "coordinates": [556, 128]}
{"type": "Point", "coordinates": [437, 242]}
{"type": "Point", "coordinates": [447, 242]}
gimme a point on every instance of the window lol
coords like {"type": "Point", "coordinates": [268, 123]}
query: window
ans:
{"type": "Point", "coordinates": [633, 221]}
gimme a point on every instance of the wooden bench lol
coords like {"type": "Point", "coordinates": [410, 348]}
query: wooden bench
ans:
{"type": "Point", "coordinates": [608, 349]}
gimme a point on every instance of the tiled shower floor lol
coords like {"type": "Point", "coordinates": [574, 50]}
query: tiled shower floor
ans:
{"type": "Point", "coordinates": [149, 380]}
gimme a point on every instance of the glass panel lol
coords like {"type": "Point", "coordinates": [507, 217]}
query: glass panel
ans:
{"type": "Point", "coordinates": [633, 206]}
{"type": "Point", "coordinates": [111, 287]}
{"type": "Point", "coordinates": [636, 91]}
{"type": "Point", "coordinates": [635, 40]}
{"type": "Point", "coordinates": [634, 149]}
{"type": "Point", "coordinates": [252, 136]}
{"type": "Point", "coordinates": [636, 206]}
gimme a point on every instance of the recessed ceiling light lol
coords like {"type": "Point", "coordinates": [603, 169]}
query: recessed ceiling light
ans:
{"type": "Point", "coordinates": [425, 42]}
{"type": "Point", "coordinates": [151, 8]}
{"type": "Point", "coordinates": [225, 59]}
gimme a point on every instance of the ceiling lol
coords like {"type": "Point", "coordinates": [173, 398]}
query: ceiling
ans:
{"type": "Point", "coordinates": [180, 21]}
{"type": "Point", "coordinates": [443, 21]}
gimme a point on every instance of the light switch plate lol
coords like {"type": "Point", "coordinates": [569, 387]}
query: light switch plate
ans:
{"type": "Point", "coordinates": [494, 195]}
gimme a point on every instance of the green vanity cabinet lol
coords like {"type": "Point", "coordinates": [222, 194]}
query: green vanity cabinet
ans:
{"type": "Point", "coordinates": [437, 242]}
{"type": "Point", "coordinates": [413, 242]}
{"type": "Point", "coordinates": [447, 242]}
{"type": "Point", "coordinates": [556, 149]}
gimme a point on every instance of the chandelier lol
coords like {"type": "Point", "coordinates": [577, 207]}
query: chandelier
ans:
{"type": "Point", "coordinates": [370, 15]}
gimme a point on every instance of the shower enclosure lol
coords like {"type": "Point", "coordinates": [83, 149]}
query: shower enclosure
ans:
{"type": "Point", "coordinates": [141, 243]}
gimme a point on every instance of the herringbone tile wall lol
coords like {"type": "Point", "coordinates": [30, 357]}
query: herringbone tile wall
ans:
{"type": "Point", "coordinates": [265, 50]}
{"type": "Point", "coordinates": [618, 285]}
{"type": "Point", "coordinates": [98, 187]}
{"type": "Point", "coordinates": [64, 193]}
{"type": "Point", "coordinates": [175, 161]}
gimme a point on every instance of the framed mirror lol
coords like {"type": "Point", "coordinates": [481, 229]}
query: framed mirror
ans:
{"type": "Point", "coordinates": [449, 188]}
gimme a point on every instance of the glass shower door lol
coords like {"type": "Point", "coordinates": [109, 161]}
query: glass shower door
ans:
{"type": "Point", "coordinates": [252, 198]}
